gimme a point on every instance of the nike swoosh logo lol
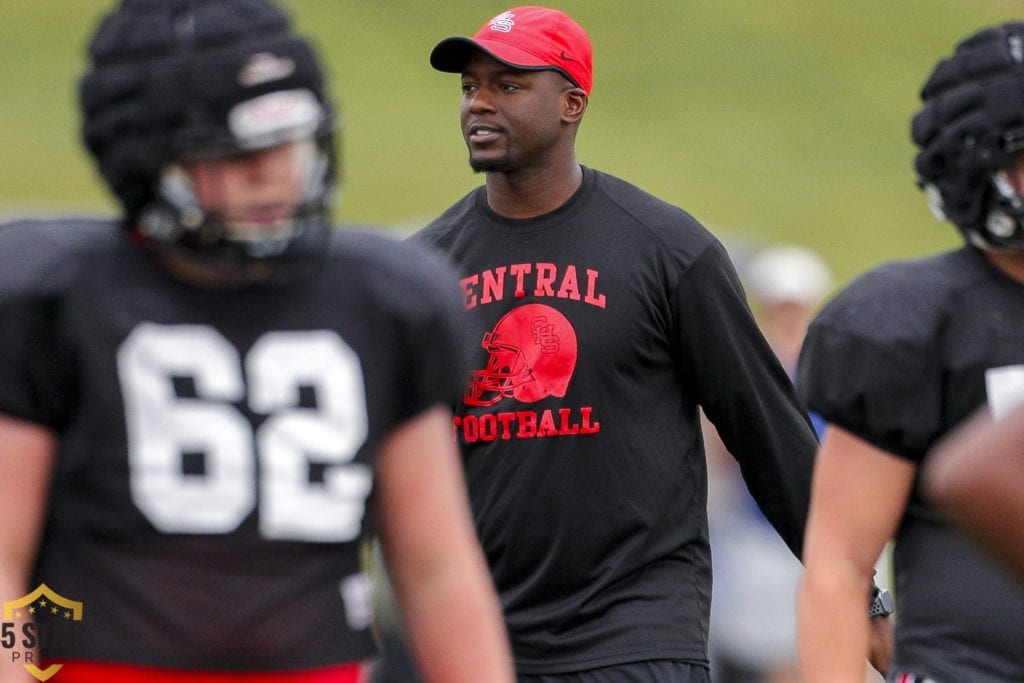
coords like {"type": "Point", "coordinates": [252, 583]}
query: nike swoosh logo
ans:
{"type": "Point", "coordinates": [567, 57]}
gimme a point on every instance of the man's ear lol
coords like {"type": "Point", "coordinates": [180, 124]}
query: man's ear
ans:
{"type": "Point", "coordinates": [575, 105]}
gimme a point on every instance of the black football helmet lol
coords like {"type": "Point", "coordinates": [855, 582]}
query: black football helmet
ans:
{"type": "Point", "coordinates": [970, 132]}
{"type": "Point", "coordinates": [173, 80]}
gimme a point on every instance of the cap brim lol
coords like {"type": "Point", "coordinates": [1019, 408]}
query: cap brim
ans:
{"type": "Point", "coordinates": [452, 54]}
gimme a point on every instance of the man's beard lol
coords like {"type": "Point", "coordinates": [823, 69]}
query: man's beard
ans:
{"type": "Point", "coordinates": [499, 165]}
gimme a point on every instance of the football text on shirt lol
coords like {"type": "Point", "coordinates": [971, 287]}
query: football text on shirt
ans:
{"type": "Point", "coordinates": [524, 424]}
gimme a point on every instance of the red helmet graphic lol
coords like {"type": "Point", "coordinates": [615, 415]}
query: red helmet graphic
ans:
{"type": "Point", "coordinates": [533, 354]}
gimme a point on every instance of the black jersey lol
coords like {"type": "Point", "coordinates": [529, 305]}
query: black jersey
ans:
{"type": "Point", "coordinates": [599, 330]}
{"type": "Point", "coordinates": [899, 359]}
{"type": "Point", "coordinates": [216, 447]}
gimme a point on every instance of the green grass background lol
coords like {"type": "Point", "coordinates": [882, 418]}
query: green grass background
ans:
{"type": "Point", "coordinates": [769, 120]}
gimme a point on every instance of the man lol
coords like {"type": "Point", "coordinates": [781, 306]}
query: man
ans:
{"type": "Point", "coordinates": [203, 406]}
{"type": "Point", "coordinates": [898, 360]}
{"type": "Point", "coordinates": [976, 475]}
{"type": "Point", "coordinates": [603, 318]}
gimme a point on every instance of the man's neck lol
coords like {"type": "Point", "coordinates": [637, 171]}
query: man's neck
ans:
{"type": "Point", "coordinates": [526, 194]}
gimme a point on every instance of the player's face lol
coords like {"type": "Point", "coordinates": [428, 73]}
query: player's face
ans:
{"type": "Point", "coordinates": [259, 189]}
{"type": "Point", "coordinates": [511, 119]}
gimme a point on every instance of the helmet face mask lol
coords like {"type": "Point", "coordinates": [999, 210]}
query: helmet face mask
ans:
{"type": "Point", "coordinates": [216, 80]}
{"type": "Point", "coordinates": [969, 133]}
{"type": "Point", "coordinates": [1007, 204]}
{"type": "Point", "coordinates": [506, 370]}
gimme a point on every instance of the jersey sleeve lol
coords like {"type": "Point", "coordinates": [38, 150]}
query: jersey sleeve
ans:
{"type": "Point", "coordinates": [36, 378]}
{"type": "Point", "coordinates": [436, 338]}
{"type": "Point", "coordinates": [868, 366]}
{"type": "Point", "coordinates": [745, 392]}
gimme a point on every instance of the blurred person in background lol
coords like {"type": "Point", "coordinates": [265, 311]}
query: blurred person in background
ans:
{"type": "Point", "coordinates": [207, 403]}
{"type": "Point", "coordinates": [753, 619]}
{"type": "Point", "coordinates": [898, 360]}
{"type": "Point", "coordinates": [786, 285]}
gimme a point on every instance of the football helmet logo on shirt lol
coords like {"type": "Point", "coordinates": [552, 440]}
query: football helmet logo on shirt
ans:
{"type": "Point", "coordinates": [533, 353]}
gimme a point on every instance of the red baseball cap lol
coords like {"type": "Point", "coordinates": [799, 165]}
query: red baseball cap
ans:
{"type": "Point", "coordinates": [530, 38]}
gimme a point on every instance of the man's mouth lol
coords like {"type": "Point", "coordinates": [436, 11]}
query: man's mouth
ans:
{"type": "Point", "coordinates": [480, 134]}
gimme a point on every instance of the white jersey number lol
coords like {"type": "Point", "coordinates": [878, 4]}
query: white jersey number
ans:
{"type": "Point", "coordinates": [166, 431]}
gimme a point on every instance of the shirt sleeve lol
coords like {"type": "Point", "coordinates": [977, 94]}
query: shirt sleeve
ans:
{"type": "Point", "coordinates": [436, 339]}
{"type": "Point", "coordinates": [745, 392]}
{"type": "Point", "coordinates": [42, 262]}
{"type": "Point", "coordinates": [36, 378]}
{"type": "Point", "coordinates": [881, 389]}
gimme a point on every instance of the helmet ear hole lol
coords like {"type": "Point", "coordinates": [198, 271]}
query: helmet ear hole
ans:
{"type": "Point", "coordinates": [969, 128]}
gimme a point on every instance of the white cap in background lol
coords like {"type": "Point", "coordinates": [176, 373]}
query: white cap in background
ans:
{"type": "Point", "coordinates": [788, 273]}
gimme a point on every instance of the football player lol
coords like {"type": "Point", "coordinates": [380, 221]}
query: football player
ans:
{"type": "Point", "coordinates": [205, 403]}
{"type": "Point", "coordinates": [899, 359]}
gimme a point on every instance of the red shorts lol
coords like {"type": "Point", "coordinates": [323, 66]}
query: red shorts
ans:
{"type": "Point", "coordinates": [96, 672]}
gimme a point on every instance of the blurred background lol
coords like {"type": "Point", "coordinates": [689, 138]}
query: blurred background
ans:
{"type": "Point", "coordinates": [769, 120]}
